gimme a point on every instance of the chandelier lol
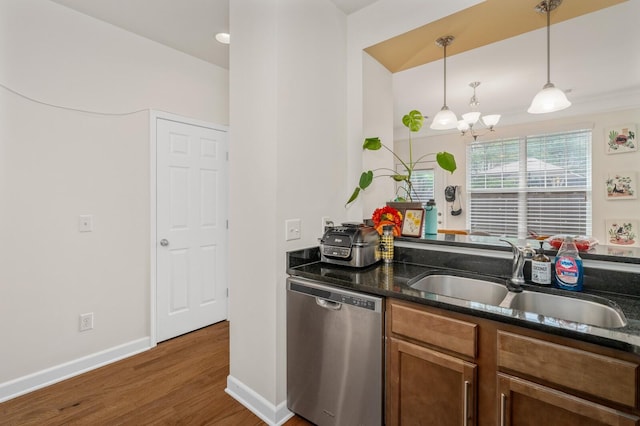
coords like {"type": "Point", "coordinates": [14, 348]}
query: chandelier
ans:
{"type": "Point", "coordinates": [470, 120]}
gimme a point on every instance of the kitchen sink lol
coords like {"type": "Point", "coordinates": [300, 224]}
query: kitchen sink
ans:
{"type": "Point", "coordinates": [597, 313]}
{"type": "Point", "coordinates": [472, 289]}
{"type": "Point", "coordinates": [594, 311]}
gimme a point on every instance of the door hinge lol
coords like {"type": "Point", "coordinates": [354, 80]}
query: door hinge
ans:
{"type": "Point", "coordinates": [227, 155]}
{"type": "Point", "coordinates": [227, 293]}
{"type": "Point", "coordinates": [227, 223]}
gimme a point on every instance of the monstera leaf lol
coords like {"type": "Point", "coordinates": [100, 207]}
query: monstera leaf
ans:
{"type": "Point", "coordinates": [412, 121]}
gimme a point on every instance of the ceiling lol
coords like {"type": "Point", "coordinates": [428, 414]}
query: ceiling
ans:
{"type": "Point", "coordinates": [594, 54]}
{"type": "Point", "coordinates": [594, 58]}
{"type": "Point", "coordinates": [487, 22]}
{"type": "Point", "coordinates": [188, 26]}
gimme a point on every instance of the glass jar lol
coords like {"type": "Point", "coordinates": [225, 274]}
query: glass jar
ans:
{"type": "Point", "coordinates": [386, 244]}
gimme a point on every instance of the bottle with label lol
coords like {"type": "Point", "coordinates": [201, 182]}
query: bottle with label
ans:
{"type": "Point", "coordinates": [431, 218]}
{"type": "Point", "coordinates": [568, 267]}
{"type": "Point", "coordinates": [541, 268]}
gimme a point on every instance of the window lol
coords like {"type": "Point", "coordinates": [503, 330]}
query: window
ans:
{"type": "Point", "coordinates": [423, 181]}
{"type": "Point", "coordinates": [534, 184]}
{"type": "Point", "coordinates": [423, 185]}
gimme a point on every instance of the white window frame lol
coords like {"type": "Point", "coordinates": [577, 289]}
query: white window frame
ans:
{"type": "Point", "coordinates": [523, 192]}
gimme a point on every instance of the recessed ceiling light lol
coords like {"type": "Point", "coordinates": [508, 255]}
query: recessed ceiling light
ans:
{"type": "Point", "coordinates": [223, 38]}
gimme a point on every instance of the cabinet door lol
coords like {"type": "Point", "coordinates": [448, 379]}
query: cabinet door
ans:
{"type": "Point", "coordinates": [524, 403]}
{"type": "Point", "coordinates": [426, 387]}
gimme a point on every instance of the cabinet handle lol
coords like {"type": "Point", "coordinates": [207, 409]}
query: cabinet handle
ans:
{"type": "Point", "coordinates": [503, 409]}
{"type": "Point", "coordinates": [465, 413]}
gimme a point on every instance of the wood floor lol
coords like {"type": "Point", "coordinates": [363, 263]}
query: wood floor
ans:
{"type": "Point", "coordinates": [180, 382]}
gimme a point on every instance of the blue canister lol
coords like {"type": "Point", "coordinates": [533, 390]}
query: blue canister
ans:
{"type": "Point", "coordinates": [431, 218]}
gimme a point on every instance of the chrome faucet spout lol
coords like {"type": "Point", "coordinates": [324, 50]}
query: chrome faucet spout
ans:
{"type": "Point", "coordinates": [520, 254]}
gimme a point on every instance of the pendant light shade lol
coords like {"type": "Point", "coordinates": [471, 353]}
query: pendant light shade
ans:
{"type": "Point", "coordinates": [550, 98]}
{"type": "Point", "coordinates": [445, 119]}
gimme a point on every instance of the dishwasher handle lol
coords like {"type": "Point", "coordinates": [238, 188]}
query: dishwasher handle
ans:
{"type": "Point", "coordinates": [328, 304]}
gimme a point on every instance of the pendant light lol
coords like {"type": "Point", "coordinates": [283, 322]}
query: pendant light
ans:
{"type": "Point", "coordinates": [550, 98]}
{"type": "Point", "coordinates": [445, 119]}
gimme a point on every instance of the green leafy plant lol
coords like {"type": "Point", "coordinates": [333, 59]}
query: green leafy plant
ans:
{"type": "Point", "coordinates": [412, 121]}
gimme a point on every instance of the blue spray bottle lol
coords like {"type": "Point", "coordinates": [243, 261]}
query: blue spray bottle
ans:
{"type": "Point", "coordinates": [568, 267]}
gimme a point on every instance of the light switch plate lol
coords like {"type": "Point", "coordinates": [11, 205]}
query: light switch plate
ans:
{"type": "Point", "coordinates": [292, 229]}
{"type": "Point", "coordinates": [326, 224]}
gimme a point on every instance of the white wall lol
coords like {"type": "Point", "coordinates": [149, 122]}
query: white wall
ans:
{"type": "Point", "coordinates": [378, 122]}
{"type": "Point", "coordinates": [56, 164]}
{"type": "Point", "coordinates": [287, 150]}
{"type": "Point", "coordinates": [380, 21]}
{"type": "Point", "coordinates": [296, 92]}
{"type": "Point", "coordinates": [602, 163]}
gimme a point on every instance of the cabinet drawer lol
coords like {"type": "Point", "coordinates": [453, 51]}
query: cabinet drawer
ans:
{"type": "Point", "coordinates": [447, 333]}
{"type": "Point", "coordinates": [598, 375]}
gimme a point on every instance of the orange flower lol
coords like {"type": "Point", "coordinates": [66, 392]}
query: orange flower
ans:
{"type": "Point", "coordinates": [387, 216]}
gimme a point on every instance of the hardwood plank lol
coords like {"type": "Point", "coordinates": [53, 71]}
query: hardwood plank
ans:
{"type": "Point", "coordinates": [179, 382]}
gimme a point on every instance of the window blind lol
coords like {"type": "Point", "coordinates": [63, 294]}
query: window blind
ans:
{"type": "Point", "coordinates": [539, 184]}
{"type": "Point", "coordinates": [423, 185]}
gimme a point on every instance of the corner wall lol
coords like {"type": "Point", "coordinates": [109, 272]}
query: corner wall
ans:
{"type": "Point", "coordinates": [287, 151]}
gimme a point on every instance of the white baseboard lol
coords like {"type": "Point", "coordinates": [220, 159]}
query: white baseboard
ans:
{"type": "Point", "coordinates": [49, 376]}
{"type": "Point", "coordinates": [268, 413]}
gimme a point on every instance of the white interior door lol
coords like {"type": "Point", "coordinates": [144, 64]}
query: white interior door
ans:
{"type": "Point", "coordinates": [191, 237]}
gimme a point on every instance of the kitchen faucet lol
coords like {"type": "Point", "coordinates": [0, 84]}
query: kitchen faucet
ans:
{"type": "Point", "coordinates": [520, 254]}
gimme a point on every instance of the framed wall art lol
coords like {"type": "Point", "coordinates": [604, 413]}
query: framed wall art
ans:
{"type": "Point", "coordinates": [621, 139]}
{"type": "Point", "coordinates": [621, 186]}
{"type": "Point", "coordinates": [622, 232]}
{"type": "Point", "coordinates": [412, 223]}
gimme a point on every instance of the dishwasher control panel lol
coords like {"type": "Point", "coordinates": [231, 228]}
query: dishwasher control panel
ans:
{"type": "Point", "coordinates": [355, 301]}
{"type": "Point", "coordinates": [346, 298]}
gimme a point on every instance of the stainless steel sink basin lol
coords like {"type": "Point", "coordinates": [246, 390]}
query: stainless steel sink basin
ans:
{"type": "Point", "coordinates": [471, 289]}
{"type": "Point", "coordinates": [600, 314]}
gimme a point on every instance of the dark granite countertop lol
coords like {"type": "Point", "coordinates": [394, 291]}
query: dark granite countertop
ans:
{"type": "Point", "coordinates": [393, 280]}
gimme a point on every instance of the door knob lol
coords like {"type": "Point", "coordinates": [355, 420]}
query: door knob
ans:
{"type": "Point", "coordinates": [164, 242]}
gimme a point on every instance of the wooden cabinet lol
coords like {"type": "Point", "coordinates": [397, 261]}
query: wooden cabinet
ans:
{"type": "Point", "coordinates": [425, 385]}
{"type": "Point", "coordinates": [524, 403]}
{"type": "Point", "coordinates": [446, 368]}
{"type": "Point", "coordinates": [601, 376]}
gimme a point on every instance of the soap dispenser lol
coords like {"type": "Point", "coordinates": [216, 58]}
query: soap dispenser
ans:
{"type": "Point", "coordinates": [541, 267]}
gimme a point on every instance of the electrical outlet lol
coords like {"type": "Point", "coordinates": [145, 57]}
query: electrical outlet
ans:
{"type": "Point", "coordinates": [326, 223]}
{"type": "Point", "coordinates": [86, 321]}
{"type": "Point", "coordinates": [85, 223]}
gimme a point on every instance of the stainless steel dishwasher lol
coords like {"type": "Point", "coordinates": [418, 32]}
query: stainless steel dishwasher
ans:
{"type": "Point", "coordinates": [334, 354]}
